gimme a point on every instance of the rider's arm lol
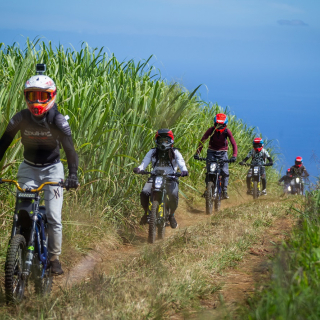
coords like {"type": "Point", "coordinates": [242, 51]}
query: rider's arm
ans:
{"type": "Point", "coordinates": [8, 136]}
{"type": "Point", "coordinates": [207, 134]}
{"type": "Point", "coordinates": [67, 143]}
{"type": "Point", "coordinates": [180, 161]}
{"type": "Point", "coordinates": [305, 172]}
{"type": "Point", "coordinates": [147, 159]}
{"type": "Point", "coordinates": [270, 161]}
{"type": "Point", "coordinates": [233, 143]}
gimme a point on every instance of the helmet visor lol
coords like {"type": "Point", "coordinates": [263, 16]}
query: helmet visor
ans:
{"type": "Point", "coordinates": [38, 96]}
{"type": "Point", "coordinates": [162, 140]}
{"type": "Point", "coordinates": [257, 145]}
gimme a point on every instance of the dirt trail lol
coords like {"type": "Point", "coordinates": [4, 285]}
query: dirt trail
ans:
{"type": "Point", "coordinates": [105, 259]}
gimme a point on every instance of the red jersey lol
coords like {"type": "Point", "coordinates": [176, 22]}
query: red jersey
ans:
{"type": "Point", "coordinates": [218, 141]}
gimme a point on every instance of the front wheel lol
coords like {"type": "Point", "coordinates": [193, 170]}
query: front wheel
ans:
{"type": "Point", "coordinates": [14, 282]}
{"type": "Point", "coordinates": [209, 198]}
{"type": "Point", "coordinates": [152, 221]}
{"type": "Point", "coordinates": [162, 226]}
{"type": "Point", "coordinates": [255, 190]}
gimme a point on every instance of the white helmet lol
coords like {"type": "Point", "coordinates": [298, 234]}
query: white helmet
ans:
{"type": "Point", "coordinates": [40, 94]}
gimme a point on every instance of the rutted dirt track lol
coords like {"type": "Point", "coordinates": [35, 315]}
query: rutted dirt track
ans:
{"type": "Point", "coordinates": [237, 284]}
{"type": "Point", "coordinates": [105, 259]}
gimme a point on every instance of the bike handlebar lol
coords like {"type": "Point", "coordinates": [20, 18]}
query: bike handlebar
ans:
{"type": "Point", "coordinates": [221, 160]}
{"type": "Point", "coordinates": [49, 183]}
{"type": "Point", "coordinates": [177, 174]}
{"type": "Point", "coordinates": [254, 165]}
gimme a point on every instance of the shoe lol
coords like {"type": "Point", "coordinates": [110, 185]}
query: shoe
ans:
{"type": "Point", "coordinates": [56, 267]}
{"type": "Point", "coordinates": [264, 192]}
{"type": "Point", "coordinates": [225, 195]}
{"type": "Point", "coordinates": [173, 222]}
{"type": "Point", "coordinates": [144, 220]}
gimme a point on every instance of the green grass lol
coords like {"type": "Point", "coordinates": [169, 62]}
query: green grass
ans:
{"type": "Point", "coordinates": [173, 276]}
{"type": "Point", "coordinates": [293, 290]}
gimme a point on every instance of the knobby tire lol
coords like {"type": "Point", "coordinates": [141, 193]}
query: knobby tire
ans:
{"type": "Point", "coordinates": [14, 284]}
{"type": "Point", "coordinates": [255, 190]}
{"type": "Point", "coordinates": [162, 226]}
{"type": "Point", "coordinates": [152, 221]}
{"type": "Point", "coordinates": [209, 198]}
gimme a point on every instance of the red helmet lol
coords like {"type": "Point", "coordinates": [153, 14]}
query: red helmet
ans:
{"type": "Point", "coordinates": [164, 139]}
{"type": "Point", "coordinates": [40, 94]}
{"type": "Point", "coordinates": [220, 122]}
{"type": "Point", "coordinates": [257, 144]}
{"type": "Point", "coordinates": [298, 162]}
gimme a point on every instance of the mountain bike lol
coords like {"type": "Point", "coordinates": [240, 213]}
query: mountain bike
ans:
{"type": "Point", "coordinates": [159, 211]}
{"type": "Point", "coordinates": [213, 194]}
{"type": "Point", "coordinates": [256, 181]}
{"type": "Point", "coordinates": [27, 255]}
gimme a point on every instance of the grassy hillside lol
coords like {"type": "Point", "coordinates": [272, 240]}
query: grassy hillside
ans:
{"type": "Point", "coordinates": [115, 109]}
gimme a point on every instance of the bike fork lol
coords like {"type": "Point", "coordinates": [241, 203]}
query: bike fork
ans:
{"type": "Point", "coordinates": [30, 250]}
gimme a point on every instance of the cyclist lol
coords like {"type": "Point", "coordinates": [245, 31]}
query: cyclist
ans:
{"type": "Point", "coordinates": [218, 147]}
{"type": "Point", "coordinates": [286, 178]}
{"type": "Point", "coordinates": [299, 170]}
{"type": "Point", "coordinates": [164, 156]}
{"type": "Point", "coordinates": [259, 156]}
{"type": "Point", "coordinates": [42, 130]}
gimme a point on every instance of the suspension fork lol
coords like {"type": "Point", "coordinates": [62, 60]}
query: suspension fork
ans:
{"type": "Point", "coordinates": [15, 220]}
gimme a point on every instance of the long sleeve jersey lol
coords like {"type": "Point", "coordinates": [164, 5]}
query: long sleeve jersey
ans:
{"type": "Point", "coordinates": [163, 162]}
{"type": "Point", "coordinates": [218, 141]}
{"type": "Point", "coordinates": [300, 172]}
{"type": "Point", "coordinates": [41, 138]}
{"type": "Point", "coordinates": [258, 158]}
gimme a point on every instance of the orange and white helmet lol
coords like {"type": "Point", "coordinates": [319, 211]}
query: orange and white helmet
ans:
{"type": "Point", "coordinates": [40, 94]}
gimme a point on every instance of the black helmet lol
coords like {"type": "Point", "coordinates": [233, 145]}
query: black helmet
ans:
{"type": "Point", "coordinates": [164, 139]}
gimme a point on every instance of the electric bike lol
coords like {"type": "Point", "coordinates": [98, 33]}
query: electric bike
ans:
{"type": "Point", "coordinates": [296, 185]}
{"type": "Point", "coordinates": [256, 181]}
{"type": "Point", "coordinates": [213, 193]}
{"type": "Point", "coordinates": [159, 211]}
{"type": "Point", "coordinates": [27, 255]}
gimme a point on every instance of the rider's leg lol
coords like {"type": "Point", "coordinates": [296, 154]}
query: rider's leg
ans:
{"type": "Point", "coordinates": [53, 197]}
{"type": "Point", "coordinates": [264, 181]}
{"type": "Point", "coordinates": [144, 200]}
{"type": "Point", "coordinates": [173, 200]}
{"type": "Point", "coordinates": [225, 176]}
{"type": "Point", "coordinates": [248, 180]}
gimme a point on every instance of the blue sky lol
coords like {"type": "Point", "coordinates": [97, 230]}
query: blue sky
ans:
{"type": "Point", "coordinates": [261, 58]}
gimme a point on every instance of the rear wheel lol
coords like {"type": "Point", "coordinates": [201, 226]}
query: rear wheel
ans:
{"type": "Point", "coordinates": [209, 198]}
{"type": "Point", "coordinates": [152, 221]}
{"type": "Point", "coordinates": [14, 284]}
{"type": "Point", "coordinates": [255, 190]}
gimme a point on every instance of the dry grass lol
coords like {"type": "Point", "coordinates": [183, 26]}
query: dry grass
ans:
{"type": "Point", "coordinates": [170, 277]}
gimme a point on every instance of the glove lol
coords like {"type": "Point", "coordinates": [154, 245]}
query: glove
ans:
{"type": "Point", "coordinates": [232, 159]}
{"type": "Point", "coordinates": [184, 173]}
{"type": "Point", "coordinates": [196, 157]}
{"type": "Point", "coordinates": [241, 163]}
{"type": "Point", "coordinates": [72, 181]}
{"type": "Point", "coordinates": [136, 170]}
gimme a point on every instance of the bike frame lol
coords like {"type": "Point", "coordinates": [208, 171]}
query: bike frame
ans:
{"type": "Point", "coordinates": [159, 191]}
{"type": "Point", "coordinates": [27, 209]}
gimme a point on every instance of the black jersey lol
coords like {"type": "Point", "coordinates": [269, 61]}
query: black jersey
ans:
{"type": "Point", "coordinates": [299, 171]}
{"type": "Point", "coordinates": [41, 138]}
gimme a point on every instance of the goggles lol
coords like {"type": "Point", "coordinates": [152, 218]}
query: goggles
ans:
{"type": "Point", "coordinates": [164, 139]}
{"type": "Point", "coordinates": [257, 145]}
{"type": "Point", "coordinates": [38, 96]}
